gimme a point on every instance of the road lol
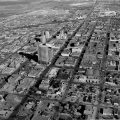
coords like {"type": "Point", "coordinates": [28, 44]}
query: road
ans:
{"type": "Point", "coordinates": [39, 80]}
{"type": "Point", "coordinates": [36, 97]}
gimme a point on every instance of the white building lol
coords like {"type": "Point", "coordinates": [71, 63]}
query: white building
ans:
{"type": "Point", "coordinates": [43, 40]}
{"type": "Point", "coordinates": [82, 17]}
{"type": "Point", "coordinates": [53, 72]}
{"type": "Point", "coordinates": [107, 13]}
{"type": "Point", "coordinates": [45, 53]}
{"type": "Point", "coordinates": [47, 34]}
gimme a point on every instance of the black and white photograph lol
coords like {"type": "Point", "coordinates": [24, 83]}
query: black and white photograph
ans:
{"type": "Point", "coordinates": [59, 59]}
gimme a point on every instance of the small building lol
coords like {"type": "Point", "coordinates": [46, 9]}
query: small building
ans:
{"type": "Point", "coordinates": [107, 111]}
{"type": "Point", "coordinates": [53, 72]}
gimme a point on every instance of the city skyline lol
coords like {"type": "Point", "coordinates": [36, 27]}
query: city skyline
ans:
{"type": "Point", "coordinates": [60, 60]}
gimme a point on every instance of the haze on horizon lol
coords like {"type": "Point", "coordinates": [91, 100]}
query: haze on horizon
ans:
{"type": "Point", "coordinates": [16, 7]}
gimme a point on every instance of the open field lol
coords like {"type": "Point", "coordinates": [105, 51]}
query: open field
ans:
{"type": "Point", "coordinates": [16, 7]}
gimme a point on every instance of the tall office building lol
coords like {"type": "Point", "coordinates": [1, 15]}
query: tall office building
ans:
{"type": "Point", "coordinates": [43, 40]}
{"type": "Point", "coordinates": [45, 53]}
{"type": "Point", "coordinates": [47, 34]}
{"type": "Point", "coordinates": [62, 34]}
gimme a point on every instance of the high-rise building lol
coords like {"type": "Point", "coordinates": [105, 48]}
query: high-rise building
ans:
{"type": "Point", "coordinates": [43, 38]}
{"type": "Point", "coordinates": [45, 53]}
{"type": "Point", "coordinates": [62, 34]}
{"type": "Point", "coordinates": [47, 34]}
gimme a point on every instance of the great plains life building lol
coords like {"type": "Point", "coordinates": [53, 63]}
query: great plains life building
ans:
{"type": "Point", "coordinates": [45, 53]}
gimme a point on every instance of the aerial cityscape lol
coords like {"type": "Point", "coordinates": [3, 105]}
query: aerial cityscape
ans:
{"type": "Point", "coordinates": [59, 59]}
